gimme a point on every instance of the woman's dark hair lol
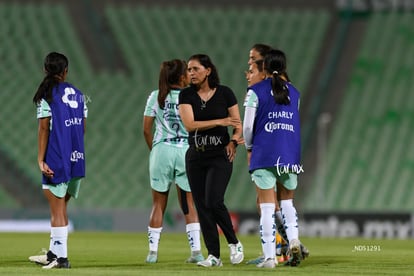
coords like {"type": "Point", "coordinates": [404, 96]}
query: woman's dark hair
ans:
{"type": "Point", "coordinates": [55, 65]}
{"type": "Point", "coordinates": [275, 64]}
{"type": "Point", "coordinates": [262, 49]}
{"type": "Point", "coordinates": [213, 78]}
{"type": "Point", "coordinates": [170, 73]}
{"type": "Point", "coordinates": [259, 64]}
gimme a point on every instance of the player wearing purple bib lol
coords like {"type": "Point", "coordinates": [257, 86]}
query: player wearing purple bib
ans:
{"type": "Point", "coordinates": [61, 113]}
{"type": "Point", "coordinates": [271, 131]}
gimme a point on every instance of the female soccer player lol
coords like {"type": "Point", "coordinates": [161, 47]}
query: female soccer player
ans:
{"type": "Point", "coordinates": [168, 146]}
{"type": "Point", "coordinates": [272, 137]}
{"type": "Point", "coordinates": [61, 154]}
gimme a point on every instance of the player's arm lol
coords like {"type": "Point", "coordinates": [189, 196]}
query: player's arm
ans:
{"type": "Point", "coordinates": [84, 126]}
{"type": "Point", "coordinates": [43, 139]}
{"type": "Point", "coordinates": [248, 124]}
{"type": "Point", "coordinates": [147, 126]}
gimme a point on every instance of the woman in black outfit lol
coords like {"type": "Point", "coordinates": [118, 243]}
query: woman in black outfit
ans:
{"type": "Point", "coordinates": [207, 109]}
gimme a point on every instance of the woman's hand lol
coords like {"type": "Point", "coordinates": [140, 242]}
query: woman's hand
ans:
{"type": "Point", "coordinates": [44, 168]}
{"type": "Point", "coordinates": [230, 121]}
{"type": "Point", "coordinates": [231, 151]}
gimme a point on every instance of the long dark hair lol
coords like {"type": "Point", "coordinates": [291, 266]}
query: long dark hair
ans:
{"type": "Point", "coordinates": [259, 64]}
{"type": "Point", "coordinates": [170, 73]}
{"type": "Point", "coordinates": [55, 65]}
{"type": "Point", "coordinates": [213, 78]}
{"type": "Point", "coordinates": [262, 49]}
{"type": "Point", "coordinates": [275, 64]}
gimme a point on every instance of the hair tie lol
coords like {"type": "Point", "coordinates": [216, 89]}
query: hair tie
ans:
{"type": "Point", "coordinates": [275, 72]}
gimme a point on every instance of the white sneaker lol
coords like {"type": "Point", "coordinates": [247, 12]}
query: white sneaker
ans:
{"type": "Point", "coordinates": [210, 261]}
{"type": "Point", "coordinates": [44, 259]}
{"type": "Point", "coordinates": [152, 257]}
{"type": "Point", "coordinates": [39, 259]}
{"type": "Point", "coordinates": [268, 263]}
{"type": "Point", "coordinates": [236, 253]}
{"type": "Point", "coordinates": [195, 257]}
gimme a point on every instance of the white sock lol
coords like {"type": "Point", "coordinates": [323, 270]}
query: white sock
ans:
{"type": "Point", "coordinates": [268, 229]}
{"type": "Point", "coordinates": [51, 241]}
{"type": "Point", "coordinates": [280, 226]}
{"type": "Point", "coordinates": [193, 236]}
{"type": "Point", "coordinates": [290, 219]}
{"type": "Point", "coordinates": [154, 235]}
{"type": "Point", "coordinates": [59, 245]}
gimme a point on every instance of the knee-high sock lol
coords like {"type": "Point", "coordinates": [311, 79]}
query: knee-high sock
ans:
{"type": "Point", "coordinates": [290, 219]}
{"type": "Point", "coordinates": [51, 242]}
{"type": "Point", "coordinates": [154, 235]}
{"type": "Point", "coordinates": [59, 236]}
{"type": "Point", "coordinates": [193, 236]}
{"type": "Point", "coordinates": [280, 226]}
{"type": "Point", "coordinates": [268, 229]}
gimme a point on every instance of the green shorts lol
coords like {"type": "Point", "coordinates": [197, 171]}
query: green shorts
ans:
{"type": "Point", "coordinates": [167, 166]}
{"type": "Point", "coordinates": [266, 179]}
{"type": "Point", "coordinates": [60, 190]}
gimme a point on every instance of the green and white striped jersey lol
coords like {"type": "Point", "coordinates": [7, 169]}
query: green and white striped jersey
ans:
{"type": "Point", "coordinates": [168, 125]}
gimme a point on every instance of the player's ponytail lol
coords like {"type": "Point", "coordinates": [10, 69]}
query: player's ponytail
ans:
{"type": "Point", "coordinates": [170, 74]}
{"type": "Point", "coordinates": [55, 65]}
{"type": "Point", "coordinates": [275, 64]}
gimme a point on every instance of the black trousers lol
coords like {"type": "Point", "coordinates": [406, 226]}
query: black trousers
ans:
{"type": "Point", "coordinates": [209, 174]}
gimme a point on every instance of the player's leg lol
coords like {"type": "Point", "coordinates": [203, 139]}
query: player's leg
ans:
{"type": "Point", "coordinates": [186, 202]}
{"type": "Point", "coordinates": [159, 203]}
{"type": "Point", "coordinates": [265, 186]}
{"type": "Point", "coordinates": [267, 227]}
{"type": "Point", "coordinates": [290, 218]}
{"type": "Point", "coordinates": [161, 171]}
{"type": "Point", "coordinates": [57, 199]}
{"type": "Point", "coordinates": [192, 225]}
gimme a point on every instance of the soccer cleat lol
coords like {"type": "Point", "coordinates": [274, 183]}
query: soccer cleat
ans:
{"type": "Point", "coordinates": [268, 263]}
{"type": "Point", "coordinates": [195, 257]}
{"type": "Point", "coordinates": [44, 259]}
{"type": "Point", "coordinates": [305, 251]}
{"type": "Point", "coordinates": [152, 257]}
{"type": "Point", "coordinates": [58, 263]}
{"type": "Point", "coordinates": [210, 261]}
{"type": "Point", "coordinates": [256, 261]}
{"type": "Point", "coordinates": [236, 253]}
{"type": "Point", "coordinates": [295, 253]}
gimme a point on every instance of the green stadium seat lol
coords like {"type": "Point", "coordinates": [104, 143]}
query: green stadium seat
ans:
{"type": "Point", "coordinates": [117, 157]}
{"type": "Point", "coordinates": [367, 162]}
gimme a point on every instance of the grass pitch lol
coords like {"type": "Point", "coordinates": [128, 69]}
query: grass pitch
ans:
{"type": "Point", "coordinates": [104, 253]}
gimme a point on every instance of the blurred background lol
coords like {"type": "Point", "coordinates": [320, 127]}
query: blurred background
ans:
{"type": "Point", "coordinates": [353, 62]}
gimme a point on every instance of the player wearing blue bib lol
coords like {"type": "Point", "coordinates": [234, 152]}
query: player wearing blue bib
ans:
{"type": "Point", "coordinates": [61, 113]}
{"type": "Point", "coordinates": [271, 131]}
{"type": "Point", "coordinates": [168, 145]}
